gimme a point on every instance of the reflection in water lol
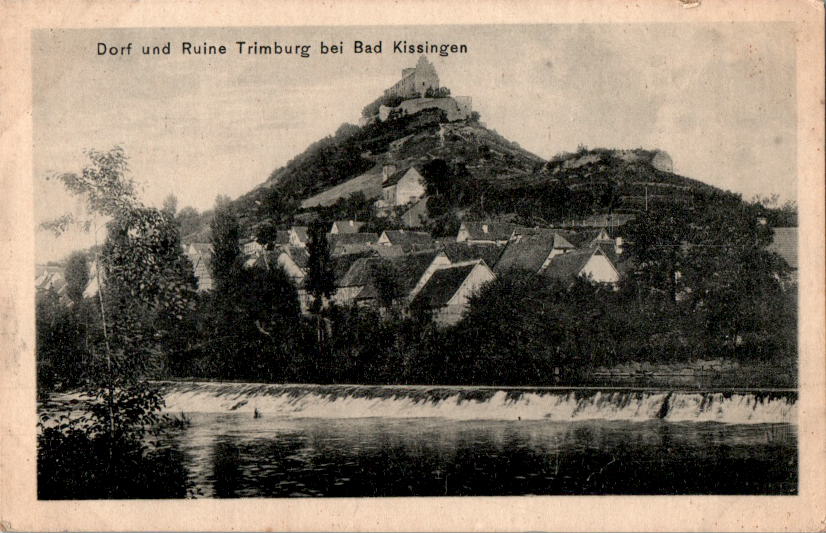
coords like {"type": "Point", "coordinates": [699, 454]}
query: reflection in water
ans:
{"type": "Point", "coordinates": [234, 455]}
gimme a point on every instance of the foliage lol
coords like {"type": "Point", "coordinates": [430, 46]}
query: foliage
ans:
{"type": "Point", "coordinates": [388, 283]}
{"type": "Point", "coordinates": [145, 287]}
{"type": "Point", "coordinates": [226, 253]}
{"type": "Point", "coordinates": [439, 92]}
{"type": "Point", "coordinates": [62, 350]}
{"type": "Point", "coordinates": [189, 221]}
{"type": "Point", "coordinates": [76, 275]}
{"type": "Point", "coordinates": [75, 464]}
{"type": "Point", "coordinates": [372, 109]}
{"type": "Point", "coordinates": [320, 277]}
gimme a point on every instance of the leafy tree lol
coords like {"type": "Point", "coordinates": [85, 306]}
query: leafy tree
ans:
{"type": "Point", "coordinates": [189, 221]}
{"type": "Point", "coordinates": [170, 205]}
{"type": "Point", "coordinates": [320, 284]}
{"type": "Point", "coordinates": [320, 277]}
{"type": "Point", "coordinates": [144, 275]}
{"type": "Point", "coordinates": [388, 283]}
{"type": "Point", "coordinates": [226, 252]}
{"type": "Point", "coordinates": [76, 275]}
{"type": "Point", "coordinates": [658, 242]}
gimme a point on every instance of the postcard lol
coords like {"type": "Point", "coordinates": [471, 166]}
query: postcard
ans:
{"type": "Point", "coordinates": [413, 266]}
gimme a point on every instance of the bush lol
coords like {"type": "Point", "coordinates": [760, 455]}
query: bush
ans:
{"type": "Point", "coordinates": [72, 464]}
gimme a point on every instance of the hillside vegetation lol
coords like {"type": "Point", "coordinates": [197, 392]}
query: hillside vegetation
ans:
{"type": "Point", "coordinates": [472, 173]}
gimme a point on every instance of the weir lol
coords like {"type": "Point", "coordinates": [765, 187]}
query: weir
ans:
{"type": "Point", "coordinates": [481, 403]}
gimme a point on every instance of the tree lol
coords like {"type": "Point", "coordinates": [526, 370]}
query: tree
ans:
{"type": "Point", "coordinates": [189, 221]}
{"type": "Point", "coordinates": [659, 242]}
{"type": "Point", "coordinates": [226, 252]}
{"type": "Point", "coordinates": [77, 276]}
{"type": "Point", "coordinates": [320, 283]}
{"type": "Point", "coordinates": [170, 205]}
{"type": "Point", "coordinates": [388, 283]}
{"type": "Point", "coordinates": [320, 277]}
{"type": "Point", "coordinates": [142, 275]}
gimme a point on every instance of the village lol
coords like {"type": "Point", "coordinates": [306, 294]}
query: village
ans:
{"type": "Point", "coordinates": [437, 274]}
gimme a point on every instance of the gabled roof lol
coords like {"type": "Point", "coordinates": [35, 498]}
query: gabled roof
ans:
{"type": "Point", "coordinates": [784, 244]}
{"type": "Point", "coordinates": [346, 226]}
{"type": "Point", "coordinates": [343, 262]}
{"type": "Point", "coordinates": [584, 238]}
{"type": "Point", "coordinates": [392, 250]}
{"type": "Point", "coordinates": [408, 238]}
{"type": "Point", "coordinates": [567, 266]}
{"type": "Point", "coordinates": [337, 239]}
{"type": "Point", "coordinates": [301, 232]}
{"type": "Point", "coordinates": [395, 177]}
{"type": "Point", "coordinates": [489, 231]}
{"type": "Point", "coordinates": [463, 251]}
{"type": "Point", "coordinates": [411, 267]}
{"type": "Point", "coordinates": [530, 253]}
{"type": "Point", "coordinates": [360, 272]}
{"type": "Point", "coordinates": [441, 286]}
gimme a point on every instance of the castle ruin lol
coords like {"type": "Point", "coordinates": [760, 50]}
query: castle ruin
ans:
{"type": "Point", "coordinates": [415, 81]}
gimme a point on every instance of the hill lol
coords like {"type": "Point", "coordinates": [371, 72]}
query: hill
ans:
{"type": "Point", "coordinates": [471, 171]}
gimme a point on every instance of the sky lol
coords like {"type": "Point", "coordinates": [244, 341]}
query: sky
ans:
{"type": "Point", "coordinates": [719, 98]}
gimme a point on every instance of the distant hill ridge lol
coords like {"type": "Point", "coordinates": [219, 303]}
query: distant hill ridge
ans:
{"type": "Point", "coordinates": [500, 177]}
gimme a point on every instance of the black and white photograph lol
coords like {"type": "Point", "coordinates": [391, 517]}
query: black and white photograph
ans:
{"type": "Point", "coordinates": [419, 260]}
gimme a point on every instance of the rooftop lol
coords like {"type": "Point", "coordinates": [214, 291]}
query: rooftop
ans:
{"type": "Point", "coordinates": [441, 286]}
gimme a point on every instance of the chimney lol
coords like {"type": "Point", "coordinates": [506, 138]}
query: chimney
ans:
{"type": "Point", "coordinates": [618, 245]}
{"type": "Point", "coordinates": [484, 228]}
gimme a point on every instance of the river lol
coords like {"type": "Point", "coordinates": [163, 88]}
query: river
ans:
{"type": "Point", "coordinates": [256, 440]}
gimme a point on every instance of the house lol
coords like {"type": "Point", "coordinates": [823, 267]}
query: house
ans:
{"type": "Point", "coordinates": [447, 292]}
{"type": "Point", "coordinates": [784, 244]}
{"type": "Point", "coordinates": [251, 247]}
{"type": "Point", "coordinates": [357, 277]}
{"type": "Point", "coordinates": [50, 278]}
{"type": "Point", "coordinates": [485, 232]}
{"type": "Point", "coordinates": [533, 253]}
{"type": "Point", "coordinates": [391, 250]}
{"type": "Point", "coordinates": [463, 251]}
{"type": "Point", "coordinates": [437, 261]}
{"type": "Point", "coordinates": [595, 264]}
{"type": "Point", "coordinates": [346, 226]}
{"type": "Point", "coordinates": [358, 284]}
{"type": "Point", "coordinates": [409, 240]}
{"type": "Point", "coordinates": [200, 255]}
{"type": "Point", "coordinates": [350, 243]}
{"type": "Point", "coordinates": [402, 187]}
{"type": "Point", "coordinates": [298, 236]}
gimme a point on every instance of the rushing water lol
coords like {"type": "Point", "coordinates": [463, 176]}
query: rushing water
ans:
{"type": "Point", "coordinates": [248, 440]}
{"type": "Point", "coordinates": [343, 441]}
